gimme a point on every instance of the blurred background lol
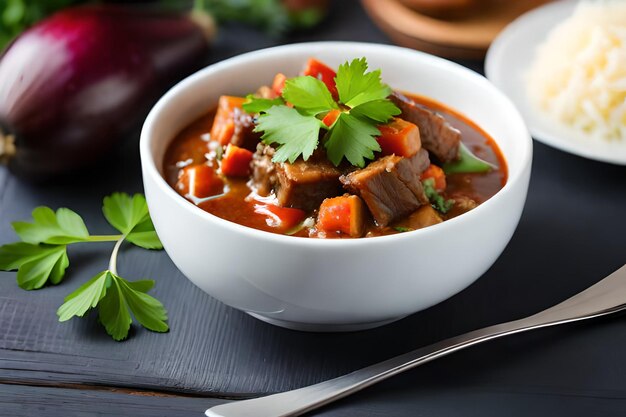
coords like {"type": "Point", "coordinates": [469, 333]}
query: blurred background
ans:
{"type": "Point", "coordinates": [451, 28]}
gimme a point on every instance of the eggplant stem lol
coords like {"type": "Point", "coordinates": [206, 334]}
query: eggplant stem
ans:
{"type": "Point", "coordinates": [204, 21]}
{"type": "Point", "coordinates": [7, 147]}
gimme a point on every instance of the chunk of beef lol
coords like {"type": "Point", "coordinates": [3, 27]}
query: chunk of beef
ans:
{"type": "Point", "coordinates": [302, 184]}
{"type": "Point", "coordinates": [390, 186]}
{"type": "Point", "coordinates": [263, 170]}
{"type": "Point", "coordinates": [243, 134]}
{"type": "Point", "coordinates": [438, 136]}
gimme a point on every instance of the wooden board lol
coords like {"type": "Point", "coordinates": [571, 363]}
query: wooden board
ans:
{"type": "Point", "coordinates": [467, 37]}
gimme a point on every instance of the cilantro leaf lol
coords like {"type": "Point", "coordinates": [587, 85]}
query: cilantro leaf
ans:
{"type": "Point", "coordinates": [147, 310]}
{"type": "Point", "coordinates": [255, 105]}
{"type": "Point", "coordinates": [309, 95]}
{"type": "Point", "coordinates": [294, 133]}
{"type": "Point", "coordinates": [130, 216]}
{"type": "Point", "coordinates": [123, 211]}
{"type": "Point", "coordinates": [85, 297]}
{"type": "Point", "coordinates": [144, 235]}
{"type": "Point", "coordinates": [436, 200]}
{"type": "Point", "coordinates": [381, 110]}
{"type": "Point", "coordinates": [35, 264]}
{"type": "Point", "coordinates": [356, 86]}
{"type": "Point", "coordinates": [115, 299]}
{"type": "Point", "coordinates": [113, 312]}
{"type": "Point", "coordinates": [467, 163]}
{"type": "Point", "coordinates": [353, 138]}
{"type": "Point", "coordinates": [352, 135]}
{"type": "Point", "coordinates": [60, 228]}
{"type": "Point", "coordinates": [402, 229]}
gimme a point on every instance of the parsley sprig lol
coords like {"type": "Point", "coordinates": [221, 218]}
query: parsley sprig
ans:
{"type": "Point", "coordinates": [41, 257]}
{"type": "Point", "coordinates": [295, 129]}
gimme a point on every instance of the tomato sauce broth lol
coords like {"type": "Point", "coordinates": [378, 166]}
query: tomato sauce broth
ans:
{"type": "Point", "coordinates": [191, 146]}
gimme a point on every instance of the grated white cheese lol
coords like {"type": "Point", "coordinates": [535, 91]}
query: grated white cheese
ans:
{"type": "Point", "coordinates": [578, 76]}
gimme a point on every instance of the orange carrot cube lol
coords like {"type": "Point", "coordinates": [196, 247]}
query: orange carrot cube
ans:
{"type": "Point", "coordinates": [345, 214]}
{"type": "Point", "coordinates": [399, 137]}
{"type": "Point", "coordinates": [236, 161]}
{"type": "Point", "coordinates": [437, 174]}
{"type": "Point", "coordinates": [284, 218]}
{"type": "Point", "coordinates": [330, 117]}
{"type": "Point", "coordinates": [279, 84]}
{"type": "Point", "coordinates": [224, 122]}
{"type": "Point", "coordinates": [199, 181]}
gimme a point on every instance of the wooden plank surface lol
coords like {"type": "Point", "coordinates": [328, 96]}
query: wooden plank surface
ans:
{"type": "Point", "coordinates": [572, 234]}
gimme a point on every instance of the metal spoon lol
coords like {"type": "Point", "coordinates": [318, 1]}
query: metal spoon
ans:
{"type": "Point", "coordinates": [606, 297]}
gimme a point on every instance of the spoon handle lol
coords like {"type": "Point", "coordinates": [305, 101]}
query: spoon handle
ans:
{"type": "Point", "coordinates": [606, 297]}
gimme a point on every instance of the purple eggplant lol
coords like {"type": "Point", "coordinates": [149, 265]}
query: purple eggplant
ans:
{"type": "Point", "coordinates": [77, 82]}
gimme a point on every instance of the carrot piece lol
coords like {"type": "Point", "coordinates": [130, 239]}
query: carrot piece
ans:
{"type": "Point", "coordinates": [437, 174]}
{"type": "Point", "coordinates": [236, 161]}
{"type": "Point", "coordinates": [322, 72]}
{"type": "Point", "coordinates": [343, 214]}
{"type": "Point", "coordinates": [399, 137]}
{"type": "Point", "coordinates": [284, 218]}
{"type": "Point", "coordinates": [330, 117]}
{"type": "Point", "coordinates": [224, 122]}
{"type": "Point", "coordinates": [279, 83]}
{"type": "Point", "coordinates": [199, 181]}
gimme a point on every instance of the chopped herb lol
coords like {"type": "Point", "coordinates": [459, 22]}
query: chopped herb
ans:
{"type": "Point", "coordinates": [403, 229]}
{"type": "Point", "coordinates": [436, 200]}
{"type": "Point", "coordinates": [41, 257]}
{"type": "Point", "coordinates": [363, 103]}
{"type": "Point", "coordinates": [468, 163]}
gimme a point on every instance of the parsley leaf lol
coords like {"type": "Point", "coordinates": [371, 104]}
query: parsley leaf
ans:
{"type": "Point", "coordinates": [377, 110]}
{"type": "Point", "coordinates": [295, 133]}
{"type": "Point", "coordinates": [356, 87]}
{"type": "Point", "coordinates": [467, 163]}
{"type": "Point", "coordinates": [60, 228]}
{"type": "Point", "coordinates": [116, 298]}
{"type": "Point", "coordinates": [35, 264]}
{"type": "Point", "coordinates": [353, 138]}
{"type": "Point", "coordinates": [144, 235]}
{"type": "Point", "coordinates": [403, 229]}
{"type": "Point", "coordinates": [255, 105]}
{"type": "Point", "coordinates": [309, 95]}
{"type": "Point", "coordinates": [85, 297]}
{"type": "Point", "coordinates": [365, 104]}
{"type": "Point", "coordinates": [436, 200]}
{"type": "Point", "coordinates": [130, 216]}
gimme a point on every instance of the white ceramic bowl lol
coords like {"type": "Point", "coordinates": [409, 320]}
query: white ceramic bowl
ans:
{"type": "Point", "coordinates": [335, 285]}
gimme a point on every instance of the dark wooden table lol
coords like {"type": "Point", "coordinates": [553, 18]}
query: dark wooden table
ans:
{"type": "Point", "coordinates": [572, 234]}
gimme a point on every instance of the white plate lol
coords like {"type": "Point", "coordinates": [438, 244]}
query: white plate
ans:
{"type": "Point", "coordinates": [509, 58]}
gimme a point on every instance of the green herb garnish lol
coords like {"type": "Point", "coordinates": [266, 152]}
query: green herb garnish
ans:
{"type": "Point", "coordinates": [296, 130]}
{"type": "Point", "coordinates": [42, 258]}
{"type": "Point", "coordinates": [468, 163]}
{"type": "Point", "coordinates": [402, 229]}
{"type": "Point", "coordinates": [436, 200]}
{"type": "Point", "coordinates": [257, 105]}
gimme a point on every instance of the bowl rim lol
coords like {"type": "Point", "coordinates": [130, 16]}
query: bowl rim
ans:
{"type": "Point", "coordinates": [149, 166]}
